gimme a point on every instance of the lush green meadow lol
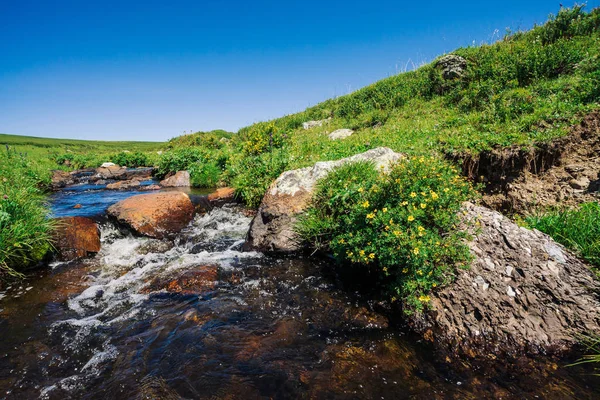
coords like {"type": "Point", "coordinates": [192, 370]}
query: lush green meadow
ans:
{"type": "Point", "coordinates": [523, 90]}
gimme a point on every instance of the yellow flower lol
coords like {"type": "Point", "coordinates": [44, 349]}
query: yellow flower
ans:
{"type": "Point", "coordinates": [341, 241]}
{"type": "Point", "coordinates": [434, 195]}
{"type": "Point", "coordinates": [423, 205]}
{"type": "Point", "coordinates": [360, 190]}
{"type": "Point", "coordinates": [370, 216]}
{"type": "Point", "coordinates": [420, 228]}
{"type": "Point", "coordinates": [404, 203]}
{"type": "Point", "coordinates": [413, 195]}
{"type": "Point", "coordinates": [424, 299]}
{"type": "Point", "coordinates": [391, 221]}
{"type": "Point", "coordinates": [434, 285]}
{"type": "Point", "coordinates": [416, 252]}
{"type": "Point", "coordinates": [385, 269]}
{"type": "Point", "coordinates": [404, 270]}
{"type": "Point", "coordinates": [372, 256]}
{"type": "Point", "coordinates": [365, 204]}
{"type": "Point", "coordinates": [419, 272]}
{"type": "Point", "coordinates": [397, 233]}
{"type": "Point", "coordinates": [411, 218]}
{"type": "Point", "coordinates": [350, 254]}
{"type": "Point", "coordinates": [384, 209]}
{"type": "Point", "coordinates": [446, 190]}
{"type": "Point", "coordinates": [362, 253]}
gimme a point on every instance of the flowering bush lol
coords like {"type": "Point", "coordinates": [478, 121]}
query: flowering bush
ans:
{"type": "Point", "coordinates": [402, 224]}
{"type": "Point", "coordinates": [262, 137]}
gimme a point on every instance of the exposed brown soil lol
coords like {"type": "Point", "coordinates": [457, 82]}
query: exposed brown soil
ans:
{"type": "Point", "coordinates": [564, 172]}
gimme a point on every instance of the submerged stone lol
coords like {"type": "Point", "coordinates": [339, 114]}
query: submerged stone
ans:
{"type": "Point", "coordinates": [76, 237]}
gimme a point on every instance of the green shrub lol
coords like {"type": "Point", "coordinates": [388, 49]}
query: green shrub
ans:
{"type": "Point", "coordinates": [205, 175]}
{"type": "Point", "coordinates": [131, 160]}
{"type": "Point", "coordinates": [251, 176]}
{"type": "Point", "coordinates": [180, 159]}
{"type": "Point", "coordinates": [212, 139]}
{"type": "Point", "coordinates": [25, 230]}
{"type": "Point", "coordinates": [401, 225]}
{"type": "Point", "coordinates": [577, 229]}
{"type": "Point", "coordinates": [262, 137]}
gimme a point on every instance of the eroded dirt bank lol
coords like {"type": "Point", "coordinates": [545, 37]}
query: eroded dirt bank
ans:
{"type": "Point", "coordinates": [563, 172]}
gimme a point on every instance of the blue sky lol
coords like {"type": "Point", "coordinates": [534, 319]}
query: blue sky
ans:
{"type": "Point", "coordinates": [150, 70]}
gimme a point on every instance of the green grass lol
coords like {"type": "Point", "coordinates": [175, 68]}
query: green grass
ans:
{"type": "Point", "coordinates": [25, 230]}
{"type": "Point", "coordinates": [523, 90]}
{"type": "Point", "coordinates": [25, 170]}
{"type": "Point", "coordinates": [52, 153]}
{"type": "Point", "coordinates": [577, 229]}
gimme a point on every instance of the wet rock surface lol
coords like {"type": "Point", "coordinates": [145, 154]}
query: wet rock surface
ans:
{"type": "Point", "coordinates": [60, 179]}
{"type": "Point", "coordinates": [524, 293]}
{"type": "Point", "coordinates": [179, 179]}
{"type": "Point", "coordinates": [156, 215]}
{"type": "Point", "coordinates": [196, 281]}
{"type": "Point", "coordinates": [124, 185]}
{"type": "Point", "coordinates": [76, 237]}
{"type": "Point", "coordinates": [222, 196]}
{"type": "Point", "coordinates": [272, 230]}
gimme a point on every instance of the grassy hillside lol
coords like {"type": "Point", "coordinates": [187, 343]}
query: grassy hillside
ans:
{"type": "Point", "coordinates": [526, 89]}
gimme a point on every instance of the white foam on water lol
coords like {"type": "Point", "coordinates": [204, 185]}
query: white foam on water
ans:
{"type": "Point", "coordinates": [123, 271]}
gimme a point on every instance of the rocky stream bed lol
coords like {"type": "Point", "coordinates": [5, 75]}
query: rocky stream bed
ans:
{"type": "Point", "coordinates": [193, 315]}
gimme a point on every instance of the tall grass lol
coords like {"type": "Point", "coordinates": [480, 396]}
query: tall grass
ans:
{"type": "Point", "coordinates": [25, 230]}
{"type": "Point", "coordinates": [577, 229]}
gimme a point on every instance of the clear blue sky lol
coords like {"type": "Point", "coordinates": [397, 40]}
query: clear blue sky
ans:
{"type": "Point", "coordinates": [149, 70]}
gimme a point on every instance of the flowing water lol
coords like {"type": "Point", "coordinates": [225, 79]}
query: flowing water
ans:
{"type": "Point", "coordinates": [198, 318]}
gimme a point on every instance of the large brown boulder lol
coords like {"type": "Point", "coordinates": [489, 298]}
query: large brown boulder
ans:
{"type": "Point", "coordinates": [180, 179]}
{"type": "Point", "coordinates": [76, 237]}
{"type": "Point", "coordinates": [156, 214]}
{"type": "Point", "coordinates": [272, 230]}
{"type": "Point", "coordinates": [523, 293]}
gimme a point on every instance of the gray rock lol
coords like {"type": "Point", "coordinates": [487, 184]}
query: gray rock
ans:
{"type": "Point", "coordinates": [313, 124]}
{"type": "Point", "coordinates": [550, 298]}
{"type": "Point", "coordinates": [180, 179]}
{"type": "Point", "coordinates": [452, 66]}
{"type": "Point", "coordinates": [340, 134]}
{"type": "Point", "coordinates": [272, 229]}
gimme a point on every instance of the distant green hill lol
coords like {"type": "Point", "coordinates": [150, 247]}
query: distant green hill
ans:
{"type": "Point", "coordinates": [16, 140]}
